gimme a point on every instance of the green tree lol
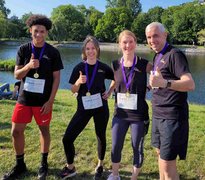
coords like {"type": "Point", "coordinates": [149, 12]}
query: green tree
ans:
{"type": "Point", "coordinates": [64, 18]}
{"type": "Point", "coordinates": [155, 14]}
{"type": "Point", "coordinates": [138, 26]}
{"type": "Point", "coordinates": [25, 29]}
{"type": "Point", "coordinates": [3, 23]}
{"type": "Point", "coordinates": [133, 5]}
{"type": "Point", "coordinates": [201, 37]}
{"type": "Point", "coordinates": [94, 17]}
{"type": "Point", "coordinates": [4, 10]}
{"type": "Point", "coordinates": [91, 15]}
{"type": "Point", "coordinates": [112, 23]}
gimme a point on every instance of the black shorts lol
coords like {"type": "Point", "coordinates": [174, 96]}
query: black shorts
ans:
{"type": "Point", "coordinates": [171, 137]}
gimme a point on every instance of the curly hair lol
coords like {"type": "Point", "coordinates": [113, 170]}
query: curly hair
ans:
{"type": "Point", "coordinates": [38, 19]}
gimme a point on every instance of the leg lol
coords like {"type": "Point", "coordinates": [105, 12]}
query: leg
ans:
{"type": "Point", "coordinates": [170, 146]}
{"type": "Point", "coordinates": [17, 133]}
{"type": "Point", "coordinates": [44, 138]}
{"type": "Point", "coordinates": [101, 118]}
{"type": "Point", "coordinates": [169, 169]}
{"type": "Point", "coordinates": [45, 144]}
{"type": "Point", "coordinates": [6, 87]}
{"type": "Point", "coordinates": [161, 172]}
{"type": "Point", "coordinates": [18, 143]}
{"type": "Point", "coordinates": [137, 135]}
{"type": "Point", "coordinates": [119, 130]}
{"type": "Point", "coordinates": [75, 127]}
{"type": "Point", "coordinates": [15, 93]}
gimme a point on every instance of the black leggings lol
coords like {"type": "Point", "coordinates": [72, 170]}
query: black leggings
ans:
{"type": "Point", "coordinates": [78, 123]}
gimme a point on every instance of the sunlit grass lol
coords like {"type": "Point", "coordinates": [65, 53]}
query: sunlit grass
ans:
{"type": "Point", "coordinates": [86, 150]}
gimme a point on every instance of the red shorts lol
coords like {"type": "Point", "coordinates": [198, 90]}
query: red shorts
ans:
{"type": "Point", "coordinates": [24, 114]}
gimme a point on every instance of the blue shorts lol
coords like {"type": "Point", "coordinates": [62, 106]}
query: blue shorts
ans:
{"type": "Point", "coordinates": [171, 137]}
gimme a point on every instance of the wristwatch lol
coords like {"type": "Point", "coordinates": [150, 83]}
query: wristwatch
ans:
{"type": "Point", "coordinates": [169, 83]}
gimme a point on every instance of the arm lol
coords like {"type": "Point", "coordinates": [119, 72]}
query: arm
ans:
{"type": "Point", "coordinates": [107, 94]}
{"type": "Point", "coordinates": [149, 67]}
{"type": "Point", "coordinates": [81, 80]}
{"type": "Point", "coordinates": [47, 107]}
{"type": "Point", "coordinates": [185, 83]}
{"type": "Point", "coordinates": [21, 71]}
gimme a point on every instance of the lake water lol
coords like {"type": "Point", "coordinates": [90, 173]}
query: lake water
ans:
{"type": "Point", "coordinates": [72, 56]}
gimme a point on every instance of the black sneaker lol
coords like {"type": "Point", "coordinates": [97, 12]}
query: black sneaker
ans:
{"type": "Point", "coordinates": [17, 171]}
{"type": "Point", "coordinates": [65, 173]}
{"type": "Point", "coordinates": [98, 172]}
{"type": "Point", "coordinates": [42, 172]}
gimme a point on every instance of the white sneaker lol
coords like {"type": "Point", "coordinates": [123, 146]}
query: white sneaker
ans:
{"type": "Point", "coordinates": [112, 177]}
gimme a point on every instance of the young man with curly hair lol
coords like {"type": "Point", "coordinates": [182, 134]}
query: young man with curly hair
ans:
{"type": "Point", "coordinates": [38, 66]}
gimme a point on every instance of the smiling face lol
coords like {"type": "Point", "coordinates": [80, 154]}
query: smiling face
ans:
{"type": "Point", "coordinates": [156, 38]}
{"type": "Point", "coordinates": [127, 44]}
{"type": "Point", "coordinates": [39, 34]}
{"type": "Point", "coordinates": [91, 51]}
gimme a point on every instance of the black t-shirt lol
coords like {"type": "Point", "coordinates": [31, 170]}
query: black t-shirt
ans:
{"type": "Point", "coordinates": [138, 86]}
{"type": "Point", "coordinates": [50, 62]}
{"type": "Point", "coordinates": [98, 86]}
{"type": "Point", "coordinates": [18, 83]}
{"type": "Point", "coordinates": [167, 103]}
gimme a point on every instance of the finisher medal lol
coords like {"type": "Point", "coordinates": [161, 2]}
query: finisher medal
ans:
{"type": "Point", "coordinates": [88, 94]}
{"type": "Point", "coordinates": [127, 81]}
{"type": "Point", "coordinates": [127, 94]}
{"type": "Point", "coordinates": [36, 75]}
{"type": "Point", "coordinates": [89, 82]}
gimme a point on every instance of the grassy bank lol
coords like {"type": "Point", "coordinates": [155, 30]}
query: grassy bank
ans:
{"type": "Point", "coordinates": [7, 64]}
{"type": "Point", "coordinates": [86, 156]}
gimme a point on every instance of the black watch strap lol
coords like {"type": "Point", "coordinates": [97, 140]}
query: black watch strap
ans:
{"type": "Point", "coordinates": [169, 83]}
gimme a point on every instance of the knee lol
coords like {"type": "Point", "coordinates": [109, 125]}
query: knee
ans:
{"type": "Point", "coordinates": [15, 133]}
{"type": "Point", "coordinates": [44, 131]}
{"type": "Point", "coordinates": [66, 140]}
{"type": "Point", "coordinates": [158, 152]}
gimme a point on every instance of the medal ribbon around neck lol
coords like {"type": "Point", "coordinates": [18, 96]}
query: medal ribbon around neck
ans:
{"type": "Point", "coordinates": [127, 83]}
{"type": "Point", "coordinates": [40, 56]}
{"type": "Point", "coordinates": [159, 57]}
{"type": "Point", "coordinates": [90, 82]}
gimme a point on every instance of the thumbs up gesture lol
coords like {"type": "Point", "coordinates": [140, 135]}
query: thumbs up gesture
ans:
{"type": "Point", "coordinates": [156, 79]}
{"type": "Point", "coordinates": [82, 78]}
{"type": "Point", "coordinates": [34, 63]}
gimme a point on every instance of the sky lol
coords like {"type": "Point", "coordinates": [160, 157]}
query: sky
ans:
{"type": "Point", "coordinates": [20, 7]}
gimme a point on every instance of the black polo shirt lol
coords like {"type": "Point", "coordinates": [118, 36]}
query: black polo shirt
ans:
{"type": "Point", "coordinates": [167, 103]}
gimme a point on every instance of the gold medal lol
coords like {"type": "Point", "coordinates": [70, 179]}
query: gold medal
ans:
{"type": "Point", "coordinates": [36, 75]}
{"type": "Point", "coordinates": [88, 93]}
{"type": "Point", "coordinates": [127, 94]}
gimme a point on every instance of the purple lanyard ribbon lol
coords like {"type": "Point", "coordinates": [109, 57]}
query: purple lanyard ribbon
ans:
{"type": "Point", "coordinates": [159, 57]}
{"type": "Point", "coordinates": [41, 53]}
{"type": "Point", "coordinates": [127, 83]}
{"type": "Point", "coordinates": [89, 83]}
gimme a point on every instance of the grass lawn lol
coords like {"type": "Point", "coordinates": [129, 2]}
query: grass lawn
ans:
{"type": "Point", "coordinates": [86, 151]}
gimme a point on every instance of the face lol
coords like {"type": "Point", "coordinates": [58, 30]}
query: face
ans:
{"type": "Point", "coordinates": [127, 45]}
{"type": "Point", "coordinates": [156, 39]}
{"type": "Point", "coordinates": [90, 51]}
{"type": "Point", "coordinates": [39, 34]}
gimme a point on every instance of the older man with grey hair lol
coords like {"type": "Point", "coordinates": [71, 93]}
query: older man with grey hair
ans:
{"type": "Point", "coordinates": [170, 80]}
